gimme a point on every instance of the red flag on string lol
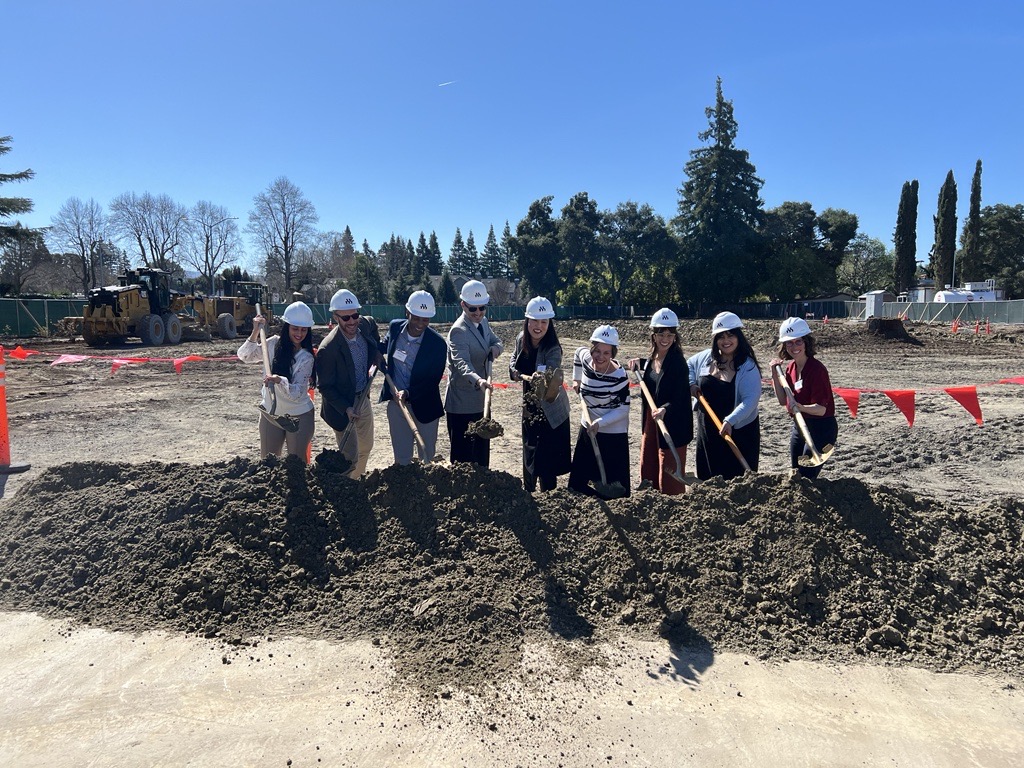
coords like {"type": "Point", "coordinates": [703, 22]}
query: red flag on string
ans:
{"type": "Point", "coordinates": [968, 398]}
{"type": "Point", "coordinates": [180, 361]}
{"type": "Point", "coordinates": [119, 361]}
{"type": "Point", "coordinates": [21, 354]}
{"type": "Point", "coordinates": [1014, 380]}
{"type": "Point", "coordinates": [904, 400]}
{"type": "Point", "coordinates": [851, 397]}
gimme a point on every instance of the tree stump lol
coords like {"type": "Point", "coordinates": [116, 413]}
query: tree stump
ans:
{"type": "Point", "coordinates": [889, 328]}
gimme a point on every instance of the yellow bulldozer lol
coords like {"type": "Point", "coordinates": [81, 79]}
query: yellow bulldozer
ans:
{"type": "Point", "coordinates": [144, 305]}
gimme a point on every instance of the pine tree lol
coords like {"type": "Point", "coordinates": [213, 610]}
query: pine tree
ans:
{"type": "Point", "coordinates": [905, 238]}
{"type": "Point", "coordinates": [472, 256]}
{"type": "Point", "coordinates": [967, 259]}
{"type": "Point", "coordinates": [719, 211]}
{"type": "Point", "coordinates": [423, 255]}
{"type": "Point", "coordinates": [11, 206]}
{"type": "Point", "coordinates": [448, 294]}
{"type": "Point", "coordinates": [944, 245]}
{"type": "Point", "coordinates": [505, 251]}
{"type": "Point", "coordinates": [490, 259]}
{"type": "Point", "coordinates": [457, 255]}
{"type": "Point", "coordinates": [434, 260]}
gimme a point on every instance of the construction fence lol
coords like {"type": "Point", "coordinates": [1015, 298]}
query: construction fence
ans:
{"type": "Point", "coordinates": [39, 317]}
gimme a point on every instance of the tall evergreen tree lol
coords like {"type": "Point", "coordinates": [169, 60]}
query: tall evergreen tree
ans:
{"type": "Point", "coordinates": [457, 255]}
{"type": "Point", "coordinates": [719, 211]}
{"type": "Point", "coordinates": [435, 261]}
{"type": "Point", "coordinates": [472, 255]}
{"type": "Point", "coordinates": [490, 259]}
{"type": "Point", "coordinates": [967, 259]}
{"type": "Point", "coordinates": [944, 245]}
{"type": "Point", "coordinates": [11, 206]}
{"type": "Point", "coordinates": [446, 291]}
{"type": "Point", "coordinates": [423, 255]}
{"type": "Point", "coordinates": [905, 238]}
{"type": "Point", "coordinates": [506, 252]}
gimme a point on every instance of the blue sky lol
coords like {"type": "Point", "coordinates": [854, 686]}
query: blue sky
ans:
{"type": "Point", "coordinates": [838, 104]}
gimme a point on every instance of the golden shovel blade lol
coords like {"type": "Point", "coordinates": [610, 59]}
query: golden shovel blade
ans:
{"type": "Point", "coordinates": [810, 460]}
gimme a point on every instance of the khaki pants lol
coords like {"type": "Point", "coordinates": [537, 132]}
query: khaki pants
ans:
{"type": "Point", "coordinates": [402, 441]}
{"type": "Point", "coordinates": [360, 439]}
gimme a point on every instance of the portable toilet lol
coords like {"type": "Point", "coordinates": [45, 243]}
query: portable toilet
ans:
{"type": "Point", "coordinates": [874, 303]}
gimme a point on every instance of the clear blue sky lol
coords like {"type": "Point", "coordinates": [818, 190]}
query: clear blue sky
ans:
{"type": "Point", "coordinates": [838, 104]}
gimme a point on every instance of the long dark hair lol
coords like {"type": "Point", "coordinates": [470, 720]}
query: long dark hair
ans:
{"type": "Point", "coordinates": [549, 340]}
{"type": "Point", "coordinates": [284, 355]}
{"type": "Point", "coordinates": [743, 350]}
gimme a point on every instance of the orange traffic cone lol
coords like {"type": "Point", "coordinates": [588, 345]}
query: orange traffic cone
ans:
{"type": "Point", "coordinates": [6, 468]}
{"type": "Point", "coordinates": [988, 326]}
{"type": "Point", "coordinates": [977, 327]}
{"type": "Point", "coordinates": [824, 320]}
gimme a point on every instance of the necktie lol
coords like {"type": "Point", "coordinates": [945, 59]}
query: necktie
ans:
{"type": "Point", "coordinates": [482, 334]}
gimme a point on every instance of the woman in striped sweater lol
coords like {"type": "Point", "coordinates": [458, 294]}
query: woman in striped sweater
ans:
{"type": "Point", "coordinates": [602, 384]}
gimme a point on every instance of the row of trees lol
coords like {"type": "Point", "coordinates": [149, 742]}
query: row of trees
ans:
{"type": "Point", "coordinates": [722, 246]}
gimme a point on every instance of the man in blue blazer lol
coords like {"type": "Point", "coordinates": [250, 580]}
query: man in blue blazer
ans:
{"type": "Point", "coordinates": [416, 357]}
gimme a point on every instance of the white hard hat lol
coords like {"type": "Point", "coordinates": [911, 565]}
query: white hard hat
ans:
{"type": "Point", "coordinates": [298, 314]}
{"type": "Point", "coordinates": [725, 321]}
{"type": "Point", "coordinates": [794, 328]}
{"type": "Point", "coordinates": [421, 304]}
{"type": "Point", "coordinates": [539, 308]}
{"type": "Point", "coordinates": [664, 318]}
{"type": "Point", "coordinates": [605, 334]}
{"type": "Point", "coordinates": [344, 299]}
{"type": "Point", "coordinates": [474, 293]}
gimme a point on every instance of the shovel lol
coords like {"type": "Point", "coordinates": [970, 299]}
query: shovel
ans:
{"type": "Point", "coordinates": [420, 445]}
{"type": "Point", "coordinates": [728, 438]}
{"type": "Point", "coordinates": [678, 474]}
{"type": "Point", "coordinates": [817, 458]}
{"type": "Point", "coordinates": [287, 423]}
{"type": "Point", "coordinates": [356, 407]}
{"type": "Point", "coordinates": [487, 428]}
{"type": "Point", "coordinates": [604, 489]}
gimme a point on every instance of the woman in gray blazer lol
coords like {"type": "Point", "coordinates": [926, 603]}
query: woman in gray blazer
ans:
{"type": "Point", "coordinates": [546, 453]}
{"type": "Point", "coordinates": [472, 348]}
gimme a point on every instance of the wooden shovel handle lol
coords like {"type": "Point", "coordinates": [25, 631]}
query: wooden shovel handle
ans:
{"type": "Point", "coordinates": [728, 438]}
{"type": "Point", "coordinates": [263, 344]}
{"type": "Point", "coordinates": [800, 422]}
{"type": "Point", "coordinates": [661, 424]}
{"type": "Point", "coordinates": [593, 442]}
{"type": "Point", "coordinates": [408, 416]}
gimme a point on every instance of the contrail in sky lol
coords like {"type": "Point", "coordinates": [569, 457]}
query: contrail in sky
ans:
{"type": "Point", "coordinates": [442, 85]}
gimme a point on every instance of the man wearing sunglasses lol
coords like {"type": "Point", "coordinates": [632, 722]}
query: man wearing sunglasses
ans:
{"type": "Point", "coordinates": [472, 347]}
{"type": "Point", "coordinates": [343, 364]}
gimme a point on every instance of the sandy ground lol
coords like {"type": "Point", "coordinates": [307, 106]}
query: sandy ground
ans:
{"type": "Point", "coordinates": [81, 696]}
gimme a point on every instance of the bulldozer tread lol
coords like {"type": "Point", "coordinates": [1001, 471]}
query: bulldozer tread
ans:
{"type": "Point", "coordinates": [172, 328]}
{"type": "Point", "coordinates": [151, 330]}
{"type": "Point", "coordinates": [226, 326]}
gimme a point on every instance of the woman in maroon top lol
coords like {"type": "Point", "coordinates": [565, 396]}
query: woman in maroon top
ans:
{"type": "Point", "coordinates": [812, 392]}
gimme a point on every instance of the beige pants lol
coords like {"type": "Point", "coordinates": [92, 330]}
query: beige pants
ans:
{"type": "Point", "coordinates": [356, 448]}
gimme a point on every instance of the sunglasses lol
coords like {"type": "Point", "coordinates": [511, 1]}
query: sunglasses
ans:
{"type": "Point", "coordinates": [475, 309]}
{"type": "Point", "coordinates": [346, 318]}
{"type": "Point", "coordinates": [665, 332]}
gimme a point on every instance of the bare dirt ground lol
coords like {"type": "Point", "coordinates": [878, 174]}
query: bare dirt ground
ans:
{"type": "Point", "coordinates": [254, 613]}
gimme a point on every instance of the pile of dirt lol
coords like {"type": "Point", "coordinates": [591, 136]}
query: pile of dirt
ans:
{"type": "Point", "coordinates": [452, 568]}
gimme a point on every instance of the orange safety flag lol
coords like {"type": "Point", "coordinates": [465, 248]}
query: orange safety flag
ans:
{"type": "Point", "coordinates": [21, 354]}
{"type": "Point", "coordinates": [851, 397]}
{"type": "Point", "coordinates": [1014, 380]}
{"type": "Point", "coordinates": [119, 361]}
{"type": "Point", "coordinates": [968, 398]}
{"type": "Point", "coordinates": [904, 400]}
{"type": "Point", "coordinates": [180, 361]}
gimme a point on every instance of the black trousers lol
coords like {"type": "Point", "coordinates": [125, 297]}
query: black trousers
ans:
{"type": "Point", "coordinates": [470, 449]}
{"type": "Point", "coordinates": [824, 431]}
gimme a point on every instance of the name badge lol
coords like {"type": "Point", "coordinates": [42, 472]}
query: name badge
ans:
{"type": "Point", "coordinates": [798, 386]}
{"type": "Point", "coordinates": [399, 355]}
{"type": "Point", "coordinates": [541, 368]}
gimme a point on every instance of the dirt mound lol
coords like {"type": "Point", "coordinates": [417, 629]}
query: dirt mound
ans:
{"type": "Point", "coordinates": [452, 568]}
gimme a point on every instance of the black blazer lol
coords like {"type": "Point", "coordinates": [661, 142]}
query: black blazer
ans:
{"type": "Point", "coordinates": [672, 392]}
{"type": "Point", "coordinates": [335, 371]}
{"type": "Point", "coordinates": [427, 370]}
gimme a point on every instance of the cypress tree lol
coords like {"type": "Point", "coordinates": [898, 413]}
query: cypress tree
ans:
{"type": "Point", "coordinates": [969, 245]}
{"type": "Point", "coordinates": [905, 238]}
{"type": "Point", "coordinates": [944, 246]}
